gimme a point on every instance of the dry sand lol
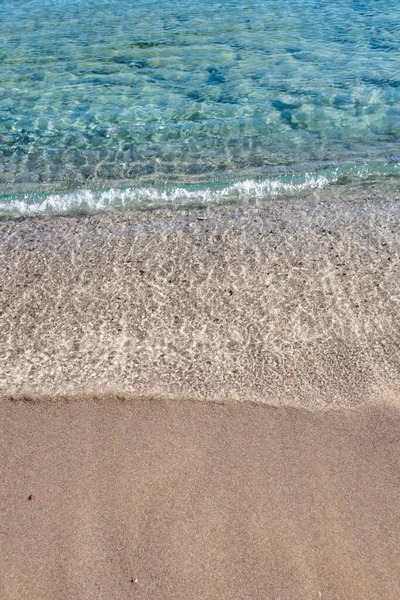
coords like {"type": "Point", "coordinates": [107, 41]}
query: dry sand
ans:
{"type": "Point", "coordinates": [203, 404]}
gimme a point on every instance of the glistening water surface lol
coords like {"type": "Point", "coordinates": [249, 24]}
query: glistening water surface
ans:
{"type": "Point", "coordinates": [143, 103]}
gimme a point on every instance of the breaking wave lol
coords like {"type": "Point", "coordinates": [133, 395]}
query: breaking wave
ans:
{"type": "Point", "coordinates": [250, 192]}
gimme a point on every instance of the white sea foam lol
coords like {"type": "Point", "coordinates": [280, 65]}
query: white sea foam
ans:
{"type": "Point", "coordinates": [250, 191]}
{"type": "Point", "coordinates": [87, 200]}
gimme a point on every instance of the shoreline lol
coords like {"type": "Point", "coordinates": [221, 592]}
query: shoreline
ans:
{"type": "Point", "coordinates": [202, 403]}
{"type": "Point", "coordinates": [290, 303]}
{"type": "Point", "coordinates": [121, 198]}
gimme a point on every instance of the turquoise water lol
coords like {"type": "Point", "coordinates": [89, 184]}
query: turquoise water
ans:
{"type": "Point", "coordinates": [128, 103]}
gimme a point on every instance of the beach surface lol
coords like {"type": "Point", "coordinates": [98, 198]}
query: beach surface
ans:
{"type": "Point", "coordinates": [176, 499]}
{"type": "Point", "coordinates": [295, 302]}
{"type": "Point", "coordinates": [202, 403]}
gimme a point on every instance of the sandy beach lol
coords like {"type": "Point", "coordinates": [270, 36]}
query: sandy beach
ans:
{"type": "Point", "coordinates": [296, 302]}
{"type": "Point", "coordinates": [199, 300]}
{"type": "Point", "coordinates": [202, 404]}
{"type": "Point", "coordinates": [160, 499]}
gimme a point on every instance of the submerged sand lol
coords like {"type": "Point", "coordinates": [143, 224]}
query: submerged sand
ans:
{"type": "Point", "coordinates": [296, 302]}
{"type": "Point", "coordinates": [202, 404]}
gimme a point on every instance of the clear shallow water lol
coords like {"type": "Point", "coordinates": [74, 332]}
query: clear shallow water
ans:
{"type": "Point", "coordinates": [121, 103]}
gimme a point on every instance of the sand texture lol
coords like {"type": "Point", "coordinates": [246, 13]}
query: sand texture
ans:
{"type": "Point", "coordinates": [176, 500]}
{"type": "Point", "coordinates": [293, 303]}
{"type": "Point", "coordinates": [202, 404]}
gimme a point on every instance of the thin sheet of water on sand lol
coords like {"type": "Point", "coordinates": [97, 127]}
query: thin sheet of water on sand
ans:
{"type": "Point", "coordinates": [295, 302]}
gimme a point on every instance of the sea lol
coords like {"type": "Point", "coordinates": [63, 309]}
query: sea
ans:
{"type": "Point", "coordinates": [139, 104]}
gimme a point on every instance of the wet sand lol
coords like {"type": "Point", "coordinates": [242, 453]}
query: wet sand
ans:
{"type": "Point", "coordinates": [293, 303]}
{"type": "Point", "coordinates": [176, 499]}
{"type": "Point", "coordinates": [202, 404]}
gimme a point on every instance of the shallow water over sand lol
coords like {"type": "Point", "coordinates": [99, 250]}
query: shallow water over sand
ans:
{"type": "Point", "coordinates": [119, 95]}
{"type": "Point", "coordinates": [294, 302]}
